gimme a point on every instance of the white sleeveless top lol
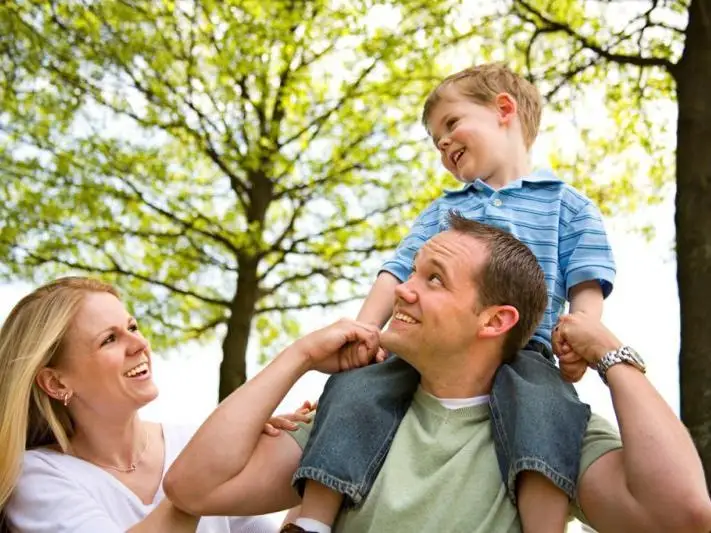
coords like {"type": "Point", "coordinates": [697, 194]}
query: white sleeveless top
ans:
{"type": "Point", "coordinates": [60, 493]}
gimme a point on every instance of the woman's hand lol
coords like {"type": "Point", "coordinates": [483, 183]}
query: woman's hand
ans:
{"type": "Point", "coordinates": [289, 421]}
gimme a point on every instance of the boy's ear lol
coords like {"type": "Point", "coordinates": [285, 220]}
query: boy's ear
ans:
{"type": "Point", "coordinates": [497, 320]}
{"type": "Point", "coordinates": [506, 106]}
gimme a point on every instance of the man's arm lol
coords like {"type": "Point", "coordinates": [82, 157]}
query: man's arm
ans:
{"type": "Point", "coordinates": [656, 481]}
{"type": "Point", "coordinates": [229, 467]}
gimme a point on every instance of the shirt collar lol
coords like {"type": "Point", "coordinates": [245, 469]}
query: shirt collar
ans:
{"type": "Point", "coordinates": [537, 176]}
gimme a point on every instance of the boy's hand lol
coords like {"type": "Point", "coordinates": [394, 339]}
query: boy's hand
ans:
{"type": "Point", "coordinates": [350, 350]}
{"type": "Point", "coordinates": [382, 355]}
{"type": "Point", "coordinates": [572, 367]}
{"type": "Point", "coordinates": [584, 337]}
{"type": "Point", "coordinates": [288, 421]}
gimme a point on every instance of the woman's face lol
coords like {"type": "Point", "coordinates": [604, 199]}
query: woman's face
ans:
{"type": "Point", "coordinates": [106, 362]}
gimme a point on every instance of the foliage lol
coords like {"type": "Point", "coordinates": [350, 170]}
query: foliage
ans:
{"type": "Point", "coordinates": [173, 146]}
{"type": "Point", "coordinates": [230, 163]}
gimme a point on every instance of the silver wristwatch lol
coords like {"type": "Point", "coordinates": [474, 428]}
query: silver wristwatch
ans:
{"type": "Point", "coordinates": [626, 355]}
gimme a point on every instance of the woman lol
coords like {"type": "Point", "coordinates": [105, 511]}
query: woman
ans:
{"type": "Point", "coordinates": [74, 371]}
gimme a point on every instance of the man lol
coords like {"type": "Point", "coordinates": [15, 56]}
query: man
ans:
{"type": "Point", "coordinates": [452, 325]}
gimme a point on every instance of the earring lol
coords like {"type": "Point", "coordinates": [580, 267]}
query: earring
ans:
{"type": "Point", "coordinates": [66, 398]}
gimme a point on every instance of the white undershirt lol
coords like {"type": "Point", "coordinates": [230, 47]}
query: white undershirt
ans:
{"type": "Point", "coordinates": [58, 493]}
{"type": "Point", "coordinates": [459, 403]}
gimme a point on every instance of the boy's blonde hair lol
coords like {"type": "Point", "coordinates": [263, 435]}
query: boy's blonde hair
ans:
{"type": "Point", "coordinates": [31, 339]}
{"type": "Point", "coordinates": [482, 83]}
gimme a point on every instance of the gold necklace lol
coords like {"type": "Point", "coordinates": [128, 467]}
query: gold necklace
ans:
{"type": "Point", "coordinates": [132, 467]}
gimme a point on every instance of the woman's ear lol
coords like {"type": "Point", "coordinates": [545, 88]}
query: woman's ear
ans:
{"type": "Point", "coordinates": [498, 320]}
{"type": "Point", "coordinates": [49, 380]}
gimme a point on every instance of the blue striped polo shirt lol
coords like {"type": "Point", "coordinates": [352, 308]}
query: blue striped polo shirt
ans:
{"type": "Point", "coordinates": [559, 224]}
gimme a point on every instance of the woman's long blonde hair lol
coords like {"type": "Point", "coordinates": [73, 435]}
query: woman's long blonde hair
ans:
{"type": "Point", "coordinates": [31, 339]}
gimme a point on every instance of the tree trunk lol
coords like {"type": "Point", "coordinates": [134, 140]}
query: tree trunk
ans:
{"type": "Point", "coordinates": [693, 226]}
{"type": "Point", "coordinates": [233, 369]}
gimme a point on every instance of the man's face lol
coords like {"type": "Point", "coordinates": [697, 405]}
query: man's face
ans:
{"type": "Point", "coordinates": [436, 309]}
{"type": "Point", "coordinates": [468, 135]}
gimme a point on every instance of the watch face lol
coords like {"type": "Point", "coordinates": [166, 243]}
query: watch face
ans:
{"type": "Point", "coordinates": [636, 357]}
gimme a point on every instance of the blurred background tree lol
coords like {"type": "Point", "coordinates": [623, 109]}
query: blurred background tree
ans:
{"type": "Point", "coordinates": [649, 63]}
{"type": "Point", "coordinates": [225, 163]}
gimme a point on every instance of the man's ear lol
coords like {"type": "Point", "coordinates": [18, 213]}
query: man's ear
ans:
{"type": "Point", "coordinates": [48, 379]}
{"type": "Point", "coordinates": [506, 107]}
{"type": "Point", "coordinates": [497, 320]}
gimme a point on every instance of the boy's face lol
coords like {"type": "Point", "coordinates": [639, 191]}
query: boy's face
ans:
{"type": "Point", "coordinates": [470, 137]}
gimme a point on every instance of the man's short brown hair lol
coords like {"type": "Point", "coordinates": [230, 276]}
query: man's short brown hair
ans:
{"type": "Point", "coordinates": [511, 275]}
{"type": "Point", "coordinates": [482, 83]}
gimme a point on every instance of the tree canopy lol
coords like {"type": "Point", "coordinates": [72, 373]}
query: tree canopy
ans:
{"type": "Point", "coordinates": [226, 163]}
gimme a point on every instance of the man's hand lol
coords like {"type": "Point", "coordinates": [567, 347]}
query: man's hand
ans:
{"type": "Point", "coordinates": [582, 337]}
{"type": "Point", "coordinates": [345, 345]}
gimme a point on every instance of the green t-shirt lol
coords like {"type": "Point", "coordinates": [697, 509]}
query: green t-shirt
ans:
{"type": "Point", "coordinates": [441, 474]}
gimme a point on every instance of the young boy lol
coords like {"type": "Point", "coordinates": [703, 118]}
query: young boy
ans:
{"type": "Point", "coordinates": [483, 121]}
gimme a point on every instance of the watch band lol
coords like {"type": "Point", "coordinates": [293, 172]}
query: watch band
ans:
{"type": "Point", "coordinates": [624, 354]}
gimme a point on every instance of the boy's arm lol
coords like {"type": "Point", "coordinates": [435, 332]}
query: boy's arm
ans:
{"type": "Point", "coordinates": [588, 267]}
{"type": "Point", "coordinates": [586, 297]}
{"type": "Point", "coordinates": [585, 256]}
{"type": "Point", "coordinates": [378, 305]}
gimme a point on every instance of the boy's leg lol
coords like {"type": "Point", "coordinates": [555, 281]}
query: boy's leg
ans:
{"type": "Point", "coordinates": [539, 424]}
{"type": "Point", "coordinates": [356, 420]}
{"type": "Point", "coordinates": [542, 507]}
{"type": "Point", "coordinates": [319, 508]}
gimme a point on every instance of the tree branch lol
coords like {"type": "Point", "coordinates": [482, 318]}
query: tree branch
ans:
{"type": "Point", "coordinates": [118, 270]}
{"type": "Point", "coordinates": [324, 272]}
{"type": "Point", "coordinates": [191, 331]}
{"type": "Point", "coordinates": [625, 59]}
{"type": "Point", "coordinates": [296, 307]}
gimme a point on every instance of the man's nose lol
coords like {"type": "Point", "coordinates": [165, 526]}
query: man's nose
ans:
{"type": "Point", "coordinates": [406, 292]}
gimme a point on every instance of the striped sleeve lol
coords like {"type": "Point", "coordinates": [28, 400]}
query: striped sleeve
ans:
{"type": "Point", "coordinates": [584, 251]}
{"type": "Point", "coordinates": [425, 227]}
